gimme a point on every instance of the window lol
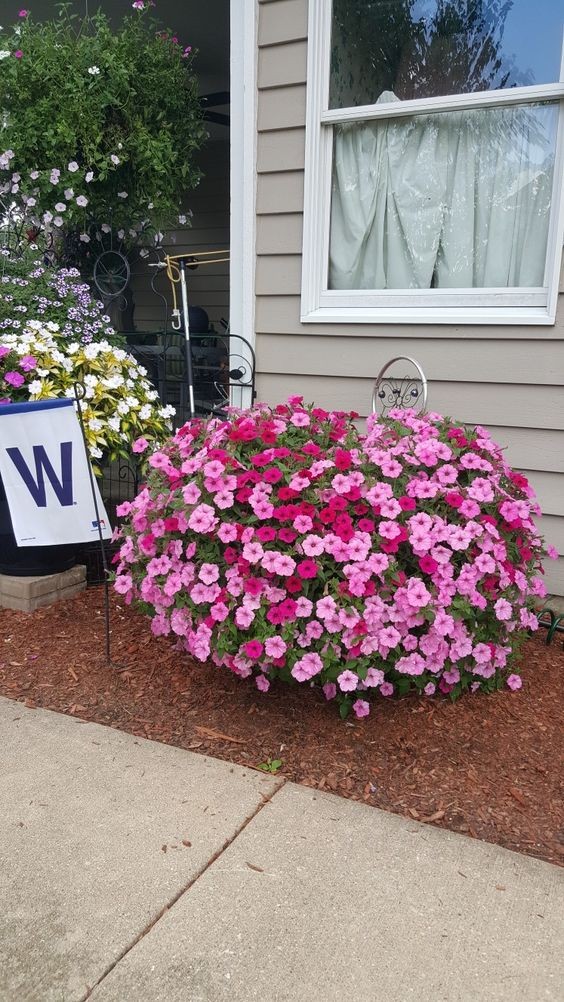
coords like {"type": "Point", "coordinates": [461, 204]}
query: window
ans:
{"type": "Point", "coordinates": [434, 151]}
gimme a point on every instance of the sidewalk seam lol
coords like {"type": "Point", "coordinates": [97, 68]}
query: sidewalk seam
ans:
{"type": "Point", "coordinates": [266, 799]}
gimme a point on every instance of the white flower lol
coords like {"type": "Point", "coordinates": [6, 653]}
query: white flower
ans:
{"type": "Point", "coordinates": [95, 451]}
{"type": "Point", "coordinates": [115, 424]}
{"type": "Point", "coordinates": [106, 228]}
{"type": "Point", "coordinates": [31, 202]}
{"type": "Point", "coordinates": [85, 238]}
{"type": "Point", "coordinates": [58, 221]}
{"type": "Point", "coordinates": [42, 372]}
{"type": "Point", "coordinates": [4, 53]}
{"type": "Point", "coordinates": [182, 220]}
{"type": "Point", "coordinates": [82, 201]}
{"type": "Point", "coordinates": [95, 424]}
{"type": "Point", "coordinates": [73, 347]}
{"type": "Point", "coordinates": [115, 160]}
{"type": "Point", "coordinates": [122, 408]}
{"type": "Point", "coordinates": [47, 217]}
{"type": "Point", "coordinates": [89, 176]}
{"type": "Point", "coordinates": [122, 194]}
{"type": "Point", "coordinates": [35, 386]}
{"type": "Point", "coordinates": [145, 412]}
{"type": "Point", "coordinates": [69, 193]}
{"type": "Point", "coordinates": [34, 174]}
{"type": "Point", "coordinates": [94, 70]}
{"type": "Point", "coordinates": [91, 351]}
{"type": "Point", "coordinates": [60, 207]}
{"type": "Point", "coordinates": [72, 166]}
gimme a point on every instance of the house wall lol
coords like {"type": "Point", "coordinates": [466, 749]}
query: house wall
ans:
{"type": "Point", "coordinates": [508, 378]}
{"type": "Point", "coordinates": [207, 286]}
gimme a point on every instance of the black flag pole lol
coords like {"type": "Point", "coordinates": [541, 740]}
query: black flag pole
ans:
{"type": "Point", "coordinates": [79, 394]}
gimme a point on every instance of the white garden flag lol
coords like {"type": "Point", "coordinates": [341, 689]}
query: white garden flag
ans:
{"type": "Point", "coordinates": [46, 476]}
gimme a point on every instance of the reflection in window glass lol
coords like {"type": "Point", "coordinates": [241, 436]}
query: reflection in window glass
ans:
{"type": "Point", "coordinates": [430, 48]}
{"type": "Point", "coordinates": [451, 200]}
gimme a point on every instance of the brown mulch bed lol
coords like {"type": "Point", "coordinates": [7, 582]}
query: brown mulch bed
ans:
{"type": "Point", "coordinates": [487, 766]}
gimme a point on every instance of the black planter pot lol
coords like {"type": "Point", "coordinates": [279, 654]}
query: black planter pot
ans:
{"type": "Point", "coordinates": [29, 561]}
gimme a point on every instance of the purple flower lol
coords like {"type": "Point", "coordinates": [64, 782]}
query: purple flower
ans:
{"type": "Point", "coordinates": [18, 54]}
{"type": "Point", "coordinates": [28, 362]}
{"type": "Point", "coordinates": [14, 379]}
{"type": "Point", "coordinates": [4, 351]}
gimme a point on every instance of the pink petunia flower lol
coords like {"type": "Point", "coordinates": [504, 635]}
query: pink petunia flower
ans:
{"type": "Point", "coordinates": [347, 680]}
{"type": "Point", "coordinates": [361, 708]}
{"type": "Point", "coordinates": [514, 682]}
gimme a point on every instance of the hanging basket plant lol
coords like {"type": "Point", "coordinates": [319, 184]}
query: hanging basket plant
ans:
{"type": "Point", "coordinates": [101, 126]}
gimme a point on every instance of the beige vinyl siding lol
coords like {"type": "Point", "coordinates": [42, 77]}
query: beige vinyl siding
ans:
{"type": "Point", "coordinates": [509, 378]}
{"type": "Point", "coordinates": [207, 287]}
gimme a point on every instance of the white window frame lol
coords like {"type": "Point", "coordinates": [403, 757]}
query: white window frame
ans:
{"type": "Point", "coordinates": [413, 306]}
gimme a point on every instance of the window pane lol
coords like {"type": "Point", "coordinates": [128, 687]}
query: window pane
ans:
{"type": "Point", "coordinates": [451, 200]}
{"type": "Point", "coordinates": [430, 48]}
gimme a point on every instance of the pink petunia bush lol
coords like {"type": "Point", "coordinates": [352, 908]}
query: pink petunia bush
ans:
{"type": "Point", "coordinates": [283, 544]}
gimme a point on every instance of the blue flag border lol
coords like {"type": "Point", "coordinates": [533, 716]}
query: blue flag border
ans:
{"type": "Point", "coordinates": [36, 405]}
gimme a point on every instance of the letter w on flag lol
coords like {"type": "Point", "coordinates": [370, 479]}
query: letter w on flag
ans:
{"type": "Point", "coordinates": [43, 467]}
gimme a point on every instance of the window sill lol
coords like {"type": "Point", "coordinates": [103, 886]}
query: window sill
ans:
{"type": "Point", "coordinates": [518, 316]}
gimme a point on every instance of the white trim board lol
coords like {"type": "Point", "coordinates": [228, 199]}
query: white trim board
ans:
{"type": "Point", "coordinates": [243, 133]}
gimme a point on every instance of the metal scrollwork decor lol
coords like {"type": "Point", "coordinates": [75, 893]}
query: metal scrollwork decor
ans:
{"type": "Point", "coordinates": [402, 392]}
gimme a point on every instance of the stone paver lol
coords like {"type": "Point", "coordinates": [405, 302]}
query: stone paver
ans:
{"type": "Point", "coordinates": [84, 813]}
{"type": "Point", "coordinates": [324, 900]}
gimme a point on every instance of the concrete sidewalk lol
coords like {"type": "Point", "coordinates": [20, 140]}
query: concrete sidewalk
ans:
{"type": "Point", "coordinates": [136, 872]}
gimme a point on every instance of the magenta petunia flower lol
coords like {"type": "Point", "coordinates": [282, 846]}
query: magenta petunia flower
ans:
{"type": "Point", "coordinates": [253, 649]}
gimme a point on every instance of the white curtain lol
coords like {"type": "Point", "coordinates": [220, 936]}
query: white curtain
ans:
{"type": "Point", "coordinates": [452, 200]}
